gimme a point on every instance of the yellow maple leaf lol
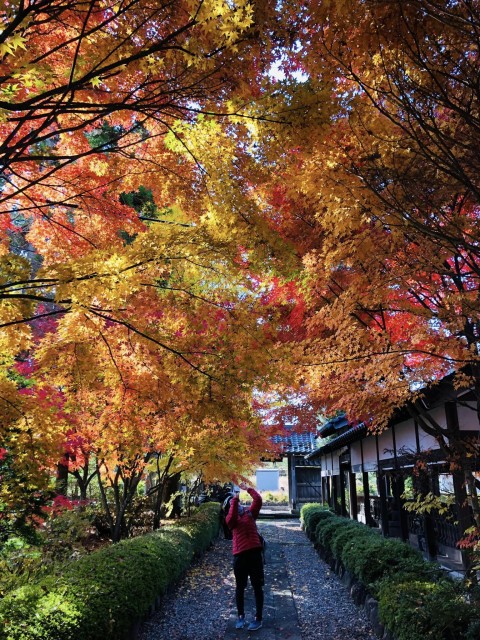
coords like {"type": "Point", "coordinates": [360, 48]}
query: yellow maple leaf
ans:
{"type": "Point", "coordinates": [11, 45]}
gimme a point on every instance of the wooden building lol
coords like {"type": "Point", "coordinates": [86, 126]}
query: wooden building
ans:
{"type": "Point", "coordinates": [304, 477]}
{"type": "Point", "coordinates": [365, 476]}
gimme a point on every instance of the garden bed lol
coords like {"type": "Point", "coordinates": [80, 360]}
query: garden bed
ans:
{"type": "Point", "coordinates": [106, 594]}
{"type": "Point", "coordinates": [405, 597]}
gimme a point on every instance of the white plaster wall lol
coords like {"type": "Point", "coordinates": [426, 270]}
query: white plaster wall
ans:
{"type": "Point", "coordinates": [336, 463]}
{"type": "Point", "coordinates": [385, 441]}
{"type": "Point", "coordinates": [355, 454]}
{"type": "Point", "coordinates": [369, 454]}
{"type": "Point", "coordinates": [439, 415]}
{"type": "Point", "coordinates": [467, 418]}
{"type": "Point", "coordinates": [405, 440]}
{"type": "Point", "coordinates": [326, 465]}
{"type": "Point", "coordinates": [427, 441]}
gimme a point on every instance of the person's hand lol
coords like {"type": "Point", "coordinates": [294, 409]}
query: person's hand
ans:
{"type": "Point", "coordinates": [243, 486]}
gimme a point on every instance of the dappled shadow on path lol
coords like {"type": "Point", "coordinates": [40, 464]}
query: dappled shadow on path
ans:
{"type": "Point", "coordinates": [304, 600]}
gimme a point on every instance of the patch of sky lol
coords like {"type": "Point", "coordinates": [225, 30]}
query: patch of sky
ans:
{"type": "Point", "coordinates": [276, 72]}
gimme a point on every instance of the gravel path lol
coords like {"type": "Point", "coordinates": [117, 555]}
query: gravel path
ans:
{"type": "Point", "coordinates": [325, 609]}
{"type": "Point", "coordinates": [200, 607]}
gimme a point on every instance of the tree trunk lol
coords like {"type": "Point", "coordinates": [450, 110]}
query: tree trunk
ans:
{"type": "Point", "coordinates": [103, 498]}
{"type": "Point", "coordinates": [61, 480]}
{"type": "Point", "coordinates": [160, 491]}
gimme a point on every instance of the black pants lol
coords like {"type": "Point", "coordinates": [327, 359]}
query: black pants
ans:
{"type": "Point", "coordinates": [245, 565]}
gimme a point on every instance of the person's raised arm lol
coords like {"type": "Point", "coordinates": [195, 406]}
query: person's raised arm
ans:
{"type": "Point", "coordinates": [256, 499]}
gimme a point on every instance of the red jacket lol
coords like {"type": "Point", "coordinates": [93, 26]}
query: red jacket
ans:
{"type": "Point", "coordinates": [243, 526]}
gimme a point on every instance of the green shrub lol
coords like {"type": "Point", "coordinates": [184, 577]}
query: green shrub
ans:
{"type": "Point", "coordinates": [276, 498]}
{"type": "Point", "coordinates": [315, 518]}
{"type": "Point", "coordinates": [101, 595]}
{"type": "Point", "coordinates": [56, 617]}
{"type": "Point", "coordinates": [346, 534]}
{"type": "Point", "coordinates": [370, 558]}
{"type": "Point", "coordinates": [416, 601]}
{"type": "Point", "coordinates": [325, 530]}
{"type": "Point", "coordinates": [473, 632]}
{"type": "Point", "coordinates": [204, 527]}
{"type": "Point", "coordinates": [306, 513]}
{"type": "Point", "coordinates": [64, 536]}
{"type": "Point", "coordinates": [418, 610]}
{"type": "Point", "coordinates": [367, 554]}
{"type": "Point", "coordinates": [65, 532]}
{"type": "Point", "coordinates": [334, 532]}
{"type": "Point", "coordinates": [20, 562]}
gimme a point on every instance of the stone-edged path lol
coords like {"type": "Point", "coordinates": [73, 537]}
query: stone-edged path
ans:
{"type": "Point", "coordinates": [304, 600]}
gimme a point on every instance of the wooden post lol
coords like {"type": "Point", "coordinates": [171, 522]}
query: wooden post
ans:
{"type": "Point", "coordinates": [431, 546]}
{"type": "Point", "coordinates": [293, 493]}
{"type": "Point", "coordinates": [463, 514]}
{"type": "Point", "coordinates": [382, 490]}
{"type": "Point", "coordinates": [352, 485]}
{"type": "Point", "coordinates": [398, 487]}
{"type": "Point", "coordinates": [343, 502]}
{"type": "Point", "coordinates": [366, 492]}
{"type": "Point", "coordinates": [335, 493]}
{"type": "Point", "coordinates": [464, 517]}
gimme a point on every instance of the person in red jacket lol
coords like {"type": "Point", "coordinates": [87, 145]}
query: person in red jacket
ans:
{"type": "Point", "coordinates": [247, 554]}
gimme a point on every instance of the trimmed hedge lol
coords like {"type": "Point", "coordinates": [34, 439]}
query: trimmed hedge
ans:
{"type": "Point", "coordinates": [306, 511]}
{"type": "Point", "coordinates": [419, 610]}
{"type": "Point", "coordinates": [310, 515]}
{"type": "Point", "coordinates": [101, 596]}
{"type": "Point", "coordinates": [373, 558]}
{"type": "Point", "coordinates": [417, 600]}
{"type": "Point", "coordinates": [343, 537]}
{"type": "Point", "coordinates": [203, 527]}
{"type": "Point", "coordinates": [369, 556]}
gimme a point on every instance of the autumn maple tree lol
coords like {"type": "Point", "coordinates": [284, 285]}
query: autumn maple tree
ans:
{"type": "Point", "coordinates": [217, 215]}
{"type": "Point", "coordinates": [381, 204]}
{"type": "Point", "coordinates": [128, 269]}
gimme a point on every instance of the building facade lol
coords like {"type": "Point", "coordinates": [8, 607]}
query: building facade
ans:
{"type": "Point", "coordinates": [304, 474]}
{"type": "Point", "coordinates": [370, 477]}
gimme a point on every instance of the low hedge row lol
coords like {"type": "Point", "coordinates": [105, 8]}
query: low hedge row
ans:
{"type": "Point", "coordinates": [310, 515]}
{"type": "Point", "coordinates": [416, 599]}
{"type": "Point", "coordinates": [102, 595]}
{"type": "Point", "coordinates": [421, 609]}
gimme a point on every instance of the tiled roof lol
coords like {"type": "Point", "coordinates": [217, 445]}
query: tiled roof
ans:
{"type": "Point", "coordinates": [351, 435]}
{"type": "Point", "coordinates": [296, 442]}
{"type": "Point", "coordinates": [334, 424]}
